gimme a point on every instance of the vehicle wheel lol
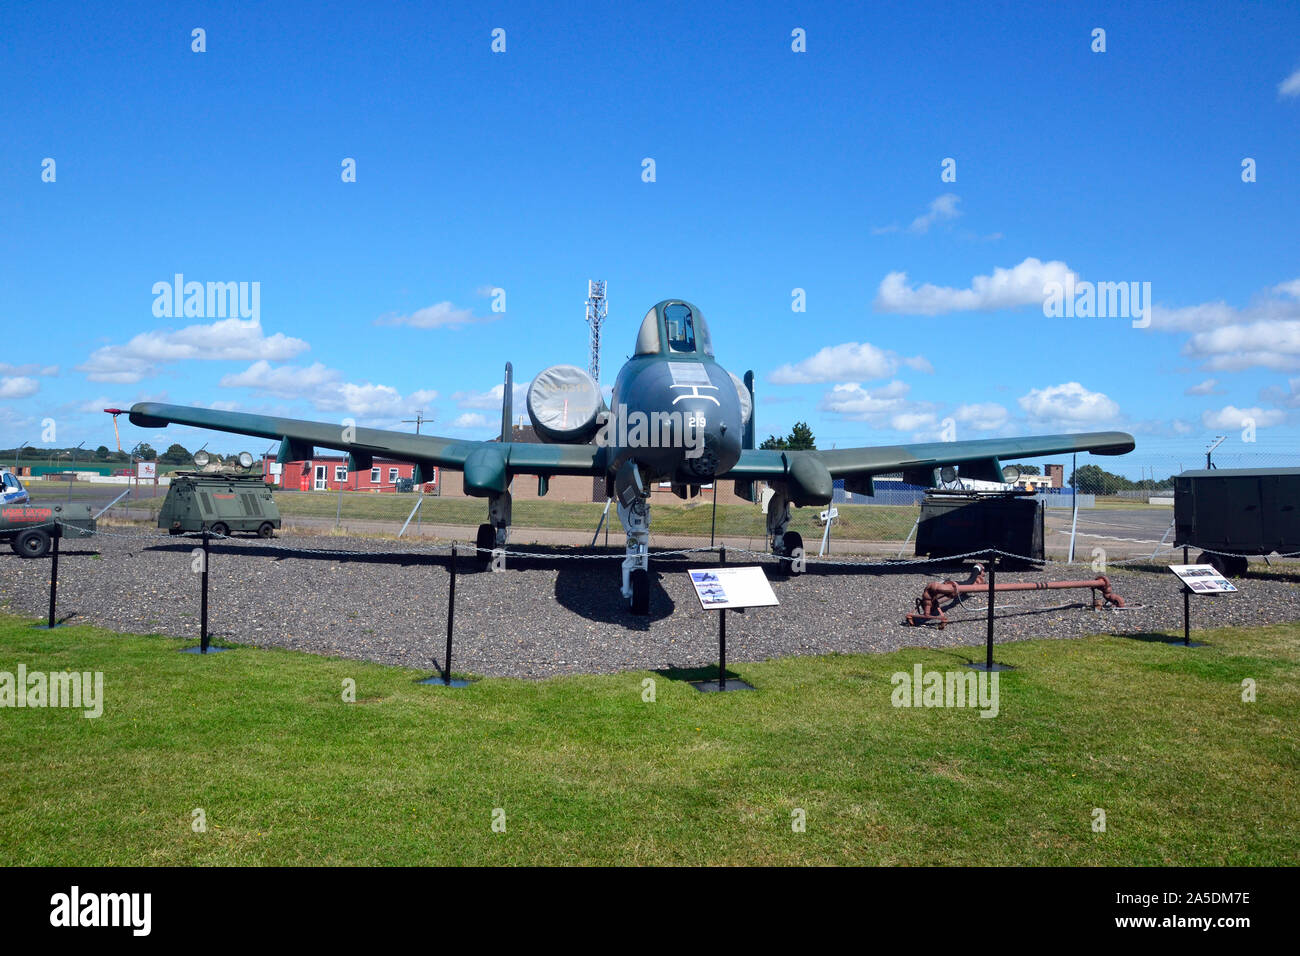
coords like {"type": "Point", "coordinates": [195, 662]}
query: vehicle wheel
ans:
{"type": "Point", "coordinates": [640, 581]}
{"type": "Point", "coordinates": [32, 544]}
{"type": "Point", "coordinates": [266, 530]}
{"type": "Point", "coordinates": [793, 540]}
{"type": "Point", "coordinates": [220, 529]}
{"type": "Point", "coordinates": [174, 531]}
{"type": "Point", "coordinates": [485, 541]}
{"type": "Point", "coordinates": [1238, 565]}
{"type": "Point", "coordinates": [1217, 561]}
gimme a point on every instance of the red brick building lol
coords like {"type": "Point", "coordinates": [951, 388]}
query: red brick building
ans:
{"type": "Point", "coordinates": [330, 473]}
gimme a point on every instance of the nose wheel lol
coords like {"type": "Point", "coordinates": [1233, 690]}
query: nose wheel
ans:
{"type": "Point", "coordinates": [793, 542]}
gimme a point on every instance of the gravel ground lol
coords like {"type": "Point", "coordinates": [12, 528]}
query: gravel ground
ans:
{"type": "Point", "coordinates": [553, 615]}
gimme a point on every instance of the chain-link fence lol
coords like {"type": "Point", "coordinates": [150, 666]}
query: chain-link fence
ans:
{"type": "Point", "coordinates": [1118, 516]}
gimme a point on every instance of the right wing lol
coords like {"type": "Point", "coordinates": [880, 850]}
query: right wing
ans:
{"type": "Point", "coordinates": [488, 465]}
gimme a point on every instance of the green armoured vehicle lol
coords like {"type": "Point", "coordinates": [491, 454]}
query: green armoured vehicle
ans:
{"type": "Point", "coordinates": [28, 527]}
{"type": "Point", "coordinates": [219, 503]}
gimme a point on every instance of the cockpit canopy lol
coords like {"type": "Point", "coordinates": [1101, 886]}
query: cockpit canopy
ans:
{"type": "Point", "coordinates": [674, 328]}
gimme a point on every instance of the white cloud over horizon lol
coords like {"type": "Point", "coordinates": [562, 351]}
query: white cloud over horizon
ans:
{"type": "Point", "coordinates": [222, 340]}
{"type": "Point", "coordinates": [847, 361]}
{"type": "Point", "coordinates": [1004, 288]}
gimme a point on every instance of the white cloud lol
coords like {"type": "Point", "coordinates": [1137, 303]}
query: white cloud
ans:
{"type": "Point", "coordinates": [18, 386]}
{"type": "Point", "coordinates": [1005, 288]}
{"type": "Point", "coordinates": [1068, 404]}
{"type": "Point", "coordinates": [491, 399]}
{"type": "Point", "coordinates": [1230, 417]}
{"type": "Point", "coordinates": [982, 416]}
{"type": "Point", "coordinates": [470, 420]}
{"type": "Point", "coordinates": [31, 368]}
{"type": "Point", "coordinates": [442, 315]}
{"type": "Point", "coordinates": [1265, 333]}
{"type": "Point", "coordinates": [325, 389]}
{"type": "Point", "coordinates": [887, 405]}
{"type": "Point", "coordinates": [1290, 86]}
{"type": "Point", "coordinates": [942, 208]}
{"type": "Point", "coordinates": [1204, 388]}
{"type": "Point", "coordinates": [850, 360]}
{"type": "Point", "coordinates": [223, 340]}
{"type": "Point", "coordinates": [1268, 344]}
{"type": "Point", "coordinates": [1283, 397]}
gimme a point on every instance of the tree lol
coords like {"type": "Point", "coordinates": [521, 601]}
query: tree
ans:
{"type": "Point", "coordinates": [1030, 469]}
{"type": "Point", "coordinates": [145, 452]}
{"type": "Point", "coordinates": [800, 439]}
{"type": "Point", "coordinates": [101, 453]}
{"type": "Point", "coordinates": [175, 455]}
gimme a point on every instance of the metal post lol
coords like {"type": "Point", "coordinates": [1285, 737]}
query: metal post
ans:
{"type": "Point", "coordinates": [203, 605]}
{"type": "Point", "coordinates": [54, 570]}
{"type": "Point", "coordinates": [713, 522]}
{"type": "Point", "coordinates": [1074, 497]}
{"type": "Point", "coordinates": [722, 649]}
{"type": "Point", "coordinates": [451, 615]}
{"type": "Point", "coordinates": [1187, 608]}
{"type": "Point", "coordinates": [722, 633]}
{"type": "Point", "coordinates": [993, 576]}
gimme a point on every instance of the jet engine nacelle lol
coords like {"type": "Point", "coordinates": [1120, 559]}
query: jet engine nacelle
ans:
{"type": "Point", "coordinates": [565, 404]}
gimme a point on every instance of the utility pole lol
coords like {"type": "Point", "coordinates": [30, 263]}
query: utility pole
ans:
{"type": "Point", "coordinates": [417, 421]}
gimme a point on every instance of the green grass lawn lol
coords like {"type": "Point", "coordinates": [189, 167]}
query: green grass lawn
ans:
{"type": "Point", "coordinates": [858, 522]}
{"type": "Point", "coordinates": [286, 772]}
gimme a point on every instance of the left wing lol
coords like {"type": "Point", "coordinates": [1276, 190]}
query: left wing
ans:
{"type": "Point", "coordinates": [488, 465]}
{"type": "Point", "coordinates": [810, 475]}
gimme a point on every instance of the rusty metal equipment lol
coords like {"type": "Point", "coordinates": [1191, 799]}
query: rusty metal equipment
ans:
{"type": "Point", "coordinates": [928, 605]}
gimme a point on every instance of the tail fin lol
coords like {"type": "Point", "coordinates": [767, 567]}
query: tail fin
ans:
{"type": "Point", "coordinates": [508, 404]}
{"type": "Point", "coordinates": [751, 427]}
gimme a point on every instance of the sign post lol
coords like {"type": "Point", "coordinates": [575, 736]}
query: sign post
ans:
{"type": "Point", "coordinates": [1197, 579]}
{"type": "Point", "coordinates": [446, 680]}
{"type": "Point", "coordinates": [989, 664]}
{"type": "Point", "coordinates": [720, 588]}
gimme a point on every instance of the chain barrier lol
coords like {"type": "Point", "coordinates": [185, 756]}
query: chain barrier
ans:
{"type": "Point", "coordinates": [74, 531]}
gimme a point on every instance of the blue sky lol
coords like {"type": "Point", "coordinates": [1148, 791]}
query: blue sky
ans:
{"type": "Point", "coordinates": [775, 170]}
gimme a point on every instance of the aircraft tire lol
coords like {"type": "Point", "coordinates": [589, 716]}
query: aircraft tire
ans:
{"type": "Point", "coordinates": [640, 581]}
{"type": "Point", "coordinates": [792, 540]}
{"type": "Point", "coordinates": [485, 541]}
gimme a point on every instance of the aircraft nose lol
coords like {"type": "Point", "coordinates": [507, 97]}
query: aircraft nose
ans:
{"type": "Point", "coordinates": [716, 451]}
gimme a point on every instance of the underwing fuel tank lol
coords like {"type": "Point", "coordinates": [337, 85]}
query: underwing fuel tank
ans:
{"type": "Point", "coordinates": [565, 403]}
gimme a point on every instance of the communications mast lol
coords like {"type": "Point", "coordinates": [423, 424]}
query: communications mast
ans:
{"type": "Point", "coordinates": [597, 310]}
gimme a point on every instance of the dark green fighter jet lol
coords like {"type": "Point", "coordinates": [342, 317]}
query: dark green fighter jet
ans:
{"type": "Point", "coordinates": [677, 416]}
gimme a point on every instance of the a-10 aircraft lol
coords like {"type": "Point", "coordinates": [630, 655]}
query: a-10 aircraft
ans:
{"type": "Point", "coordinates": [677, 416]}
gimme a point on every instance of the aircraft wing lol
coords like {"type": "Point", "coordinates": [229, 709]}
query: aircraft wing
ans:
{"type": "Point", "coordinates": [488, 465]}
{"type": "Point", "coordinates": [810, 474]}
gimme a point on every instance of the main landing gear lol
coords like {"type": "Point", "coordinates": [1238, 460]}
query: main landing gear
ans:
{"type": "Point", "coordinates": [493, 536]}
{"type": "Point", "coordinates": [786, 545]}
